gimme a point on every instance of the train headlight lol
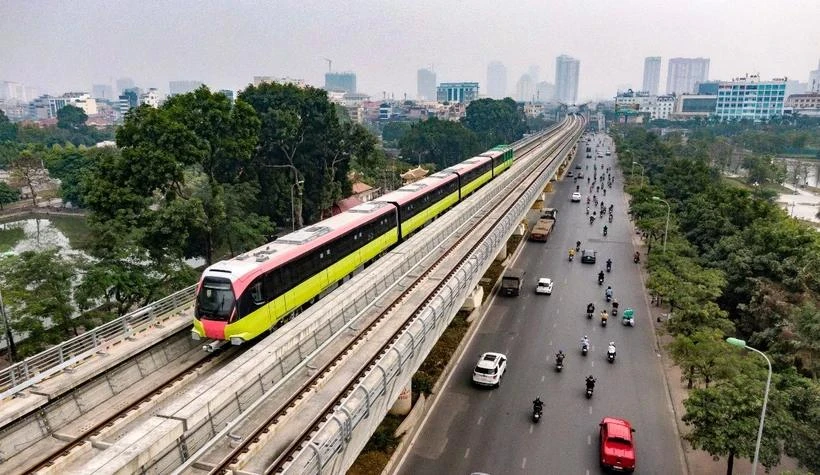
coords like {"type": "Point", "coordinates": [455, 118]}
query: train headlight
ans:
{"type": "Point", "coordinates": [236, 341]}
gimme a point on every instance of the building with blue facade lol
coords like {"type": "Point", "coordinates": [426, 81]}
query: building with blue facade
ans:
{"type": "Point", "coordinates": [461, 92]}
{"type": "Point", "coordinates": [750, 98]}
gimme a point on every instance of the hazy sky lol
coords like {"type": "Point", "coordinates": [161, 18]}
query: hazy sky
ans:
{"type": "Point", "coordinates": [68, 45]}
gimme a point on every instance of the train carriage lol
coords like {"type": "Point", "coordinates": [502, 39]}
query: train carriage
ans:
{"type": "Point", "coordinates": [502, 156]}
{"type": "Point", "coordinates": [421, 201]}
{"type": "Point", "coordinates": [242, 297]}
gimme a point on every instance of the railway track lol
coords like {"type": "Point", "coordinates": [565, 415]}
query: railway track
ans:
{"type": "Point", "coordinates": [259, 433]}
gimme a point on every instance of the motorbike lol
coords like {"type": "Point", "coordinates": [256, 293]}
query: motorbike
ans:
{"type": "Point", "coordinates": [584, 349]}
{"type": "Point", "coordinates": [637, 258]}
{"type": "Point", "coordinates": [536, 413]}
{"type": "Point", "coordinates": [608, 297]}
{"type": "Point", "coordinates": [571, 256]}
{"type": "Point", "coordinates": [603, 320]}
{"type": "Point", "coordinates": [609, 267]}
{"type": "Point", "coordinates": [591, 219]}
{"type": "Point", "coordinates": [614, 310]}
{"type": "Point", "coordinates": [605, 231]}
{"type": "Point", "coordinates": [601, 280]}
{"type": "Point", "coordinates": [589, 391]}
{"type": "Point", "coordinates": [610, 218]}
{"type": "Point", "coordinates": [610, 355]}
{"type": "Point", "coordinates": [559, 364]}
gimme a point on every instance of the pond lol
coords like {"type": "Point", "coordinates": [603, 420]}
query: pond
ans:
{"type": "Point", "coordinates": [39, 232]}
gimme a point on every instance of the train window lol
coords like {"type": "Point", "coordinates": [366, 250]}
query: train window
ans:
{"type": "Point", "coordinates": [256, 293]}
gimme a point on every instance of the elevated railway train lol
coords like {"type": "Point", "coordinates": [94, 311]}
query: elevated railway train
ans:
{"type": "Point", "coordinates": [241, 298]}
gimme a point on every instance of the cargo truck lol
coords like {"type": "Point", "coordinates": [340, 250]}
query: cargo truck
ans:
{"type": "Point", "coordinates": [543, 227]}
{"type": "Point", "coordinates": [511, 282]}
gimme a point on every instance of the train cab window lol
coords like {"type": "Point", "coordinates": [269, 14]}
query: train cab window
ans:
{"type": "Point", "coordinates": [215, 300]}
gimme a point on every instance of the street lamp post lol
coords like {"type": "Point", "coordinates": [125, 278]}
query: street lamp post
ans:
{"type": "Point", "coordinates": [668, 209]}
{"type": "Point", "coordinates": [633, 167]}
{"type": "Point", "coordinates": [742, 344]}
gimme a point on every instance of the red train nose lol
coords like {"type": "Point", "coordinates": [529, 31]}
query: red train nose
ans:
{"type": "Point", "coordinates": [213, 329]}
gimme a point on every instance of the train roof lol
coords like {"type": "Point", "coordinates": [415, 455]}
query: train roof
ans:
{"type": "Point", "coordinates": [244, 267]}
{"type": "Point", "coordinates": [410, 191]}
{"type": "Point", "coordinates": [496, 151]}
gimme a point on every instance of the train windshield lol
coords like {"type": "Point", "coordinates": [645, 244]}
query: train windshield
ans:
{"type": "Point", "coordinates": [215, 300]}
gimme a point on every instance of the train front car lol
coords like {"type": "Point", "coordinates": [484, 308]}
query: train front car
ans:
{"type": "Point", "coordinates": [502, 156]}
{"type": "Point", "coordinates": [240, 298]}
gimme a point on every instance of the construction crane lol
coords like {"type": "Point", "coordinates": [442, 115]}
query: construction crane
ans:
{"type": "Point", "coordinates": [329, 63]}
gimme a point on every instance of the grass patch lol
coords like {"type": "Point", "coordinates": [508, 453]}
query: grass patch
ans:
{"type": "Point", "coordinates": [738, 183]}
{"type": "Point", "coordinates": [10, 236]}
{"type": "Point", "coordinates": [382, 443]}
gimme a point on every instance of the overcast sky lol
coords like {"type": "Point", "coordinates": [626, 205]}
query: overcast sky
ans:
{"type": "Point", "coordinates": [68, 45]}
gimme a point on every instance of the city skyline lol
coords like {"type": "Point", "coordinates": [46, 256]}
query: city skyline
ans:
{"type": "Point", "coordinates": [225, 44]}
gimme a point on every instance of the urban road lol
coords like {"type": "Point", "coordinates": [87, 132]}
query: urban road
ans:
{"type": "Point", "coordinates": [490, 430]}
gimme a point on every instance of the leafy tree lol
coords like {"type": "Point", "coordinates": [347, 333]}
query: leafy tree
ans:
{"type": "Point", "coordinates": [71, 118]}
{"type": "Point", "coordinates": [802, 396]}
{"type": "Point", "coordinates": [27, 171]}
{"type": "Point", "coordinates": [8, 194]}
{"type": "Point", "coordinates": [37, 293]}
{"type": "Point", "coordinates": [393, 131]}
{"type": "Point", "coordinates": [703, 357]}
{"type": "Point", "coordinates": [8, 131]}
{"type": "Point", "coordinates": [69, 165]}
{"type": "Point", "coordinates": [440, 142]}
{"type": "Point", "coordinates": [724, 420]}
{"type": "Point", "coordinates": [495, 121]}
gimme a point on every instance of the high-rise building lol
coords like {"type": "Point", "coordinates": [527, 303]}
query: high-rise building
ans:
{"type": "Point", "coordinates": [814, 79]}
{"type": "Point", "coordinates": [684, 73]}
{"type": "Point", "coordinates": [652, 74]}
{"type": "Point", "coordinates": [750, 98]}
{"type": "Point", "coordinates": [496, 80]}
{"type": "Point", "coordinates": [345, 81]}
{"type": "Point", "coordinates": [123, 84]}
{"type": "Point", "coordinates": [525, 89]}
{"type": "Point", "coordinates": [457, 92]}
{"type": "Point", "coordinates": [567, 70]}
{"type": "Point", "coordinates": [544, 91]}
{"type": "Point", "coordinates": [103, 92]}
{"type": "Point", "coordinates": [129, 99]}
{"type": "Point", "coordinates": [12, 91]}
{"type": "Point", "coordinates": [534, 72]}
{"type": "Point", "coordinates": [183, 87]}
{"type": "Point", "coordinates": [426, 84]}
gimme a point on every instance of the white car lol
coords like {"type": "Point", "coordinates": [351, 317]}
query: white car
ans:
{"type": "Point", "coordinates": [490, 369]}
{"type": "Point", "coordinates": [576, 197]}
{"type": "Point", "coordinates": [544, 286]}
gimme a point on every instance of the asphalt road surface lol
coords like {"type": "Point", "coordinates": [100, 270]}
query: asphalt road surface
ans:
{"type": "Point", "coordinates": [471, 429]}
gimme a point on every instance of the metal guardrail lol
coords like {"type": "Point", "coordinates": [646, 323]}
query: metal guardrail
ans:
{"type": "Point", "coordinates": [34, 369]}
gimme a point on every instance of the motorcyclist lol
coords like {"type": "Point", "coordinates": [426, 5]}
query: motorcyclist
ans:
{"type": "Point", "coordinates": [587, 209]}
{"type": "Point", "coordinates": [587, 201]}
{"type": "Point", "coordinates": [611, 349]}
{"type": "Point", "coordinates": [601, 276]}
{"type": "Point", "coordinates": [591, 219]}
{"type": "Point", "coordinates": [577, 245]}
{"type": "Point", "coordinates": [604, 315]}
{"type": "Point", "coordinates": [585, 342]}
{"type": "Point", "coordinates": [559, 357]}
{"type": "Point", "coordinates": [605, 229]}
{"type": "Point", "coordinates": [537, 405]}
{"type": "Point", "coordinates": [571, 253]}
{"type": "Point", "coordinates": [615, 305]}
{"type": "Point", "coordinates": [608, 289]}
{"type": "Point", "coordinates": [637, 257]}
{"type": "Point", "coordinates": [590, 307]}
{"type": "Point", "coordinates": [577, 187]}
{"type": "Point", "coordinates": [590, 382]}
{"type": "Point", "coordinates": [609, 265]}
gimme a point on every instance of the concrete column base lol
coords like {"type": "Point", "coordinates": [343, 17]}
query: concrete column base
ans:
{"type": "Point", "coordinates": [474, 299]}
{"type": "Point", "coordinates": [404, 403]}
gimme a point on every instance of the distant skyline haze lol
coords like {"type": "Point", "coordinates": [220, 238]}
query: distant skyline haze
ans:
{"type": "Point", "coordinates": [60, 46]}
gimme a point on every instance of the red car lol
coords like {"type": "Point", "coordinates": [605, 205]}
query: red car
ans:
{"type": "Point", "coordinates": [617, 445]}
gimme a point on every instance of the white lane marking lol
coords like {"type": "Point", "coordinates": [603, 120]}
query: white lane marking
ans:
{"type": "Point", "coordinates": [542, 378]}
{"type": "Point", "coordinates": [589, 442]}
{"type": "Point", "coordinates": [531, 427]}
{"type": "Point", "coordinates": [554, 325]}
{"type": "Point", "coordinates": [467, 453]}
{"type": "Point", "coordinates": [480, 418]}
{"type": "Point", "coordinates": [587, 471]}
{"type": "Point", "coordinates": [590, 409]}
{"type": "Point", "coordinates": [591, 364]}
{"type": "Point", "coordinates": [524, 463]}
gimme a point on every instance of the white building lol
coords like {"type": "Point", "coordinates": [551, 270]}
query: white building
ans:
{"type": "Point", "coordinates": [151, 98]}
{"type": "Point", "coordinates": [652, 74]}
{"type": "Point", "coordinates": [684, 74]}
{"type": "Point", "coordinates": [46, 107]}
{"type": "Point", "coordinates": [496, 80]}
{"type": "Point", "coordinates": [804, 104]}
{"type": "Point", "coordinates": [567, 70]}
{"type": "Point", "coordinates": [814, 79]}
{"type": "Point", "coordinates": [657, 107]}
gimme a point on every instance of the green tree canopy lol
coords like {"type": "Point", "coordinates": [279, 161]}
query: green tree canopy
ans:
{"type": "Point", "coordinates": [495, 121]}
{"type": "Point", "coordinates": [71, 118]}
{"type": "Point", "coordinates": [441, 142]}
{"type": "Point", "coordinates": [8, 194]}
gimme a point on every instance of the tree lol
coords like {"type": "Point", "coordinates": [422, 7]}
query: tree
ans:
{"type": "Point", "coordinates": [37, 294]}
{"type": "Point", "coordinates": [703, 357]}
{"type": "Point", "coordinates": [71, 118]}
{"type": "Point", "coordinates": [725, 417]}
{"type": "Point", "coordinates": [8, 131]}
{"type": "Point", "coordinates": [495, 121]}
{"type": "Point", "coordinates": [27, 171]}
{"type": "Point", "coordinates": [393, 131]}
{"type": "Point", "coordinates": [7, 194]}
{"type": "Point", "coordinates": [440, 142]}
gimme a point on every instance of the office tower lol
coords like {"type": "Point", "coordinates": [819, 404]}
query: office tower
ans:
{"type": "Point", "coordinates": [345, 81]}
{"type": "Point", "coordinates": [525, 89]}
{"type": "Point", "coordinates": [102, 91]}
{"type": "Point", "coordinates": [457, 92]}
{"type": "Point", "coordinates": [652, 74]}
{"type": "Point", "coordinates": [544, 91]}
{"type": "Point", "coordinates": [183, 87]}
{"type": "Point", "coordinates": [496, 80]}
{"type": "Point", "coordinates": [750, 98]}
{"type": "Point", "coordinates": [123, 84]}
{"type": "Point", "coordinates": [534, 73]}
{"type": "Point", "coordinates": [426, 85]}
{"type": "Point", "coordinates": [567, 70]}
{"type": "Point", "coordinates": [685, 73]}
{"type": "Point", "coordinates": [814, 79]}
